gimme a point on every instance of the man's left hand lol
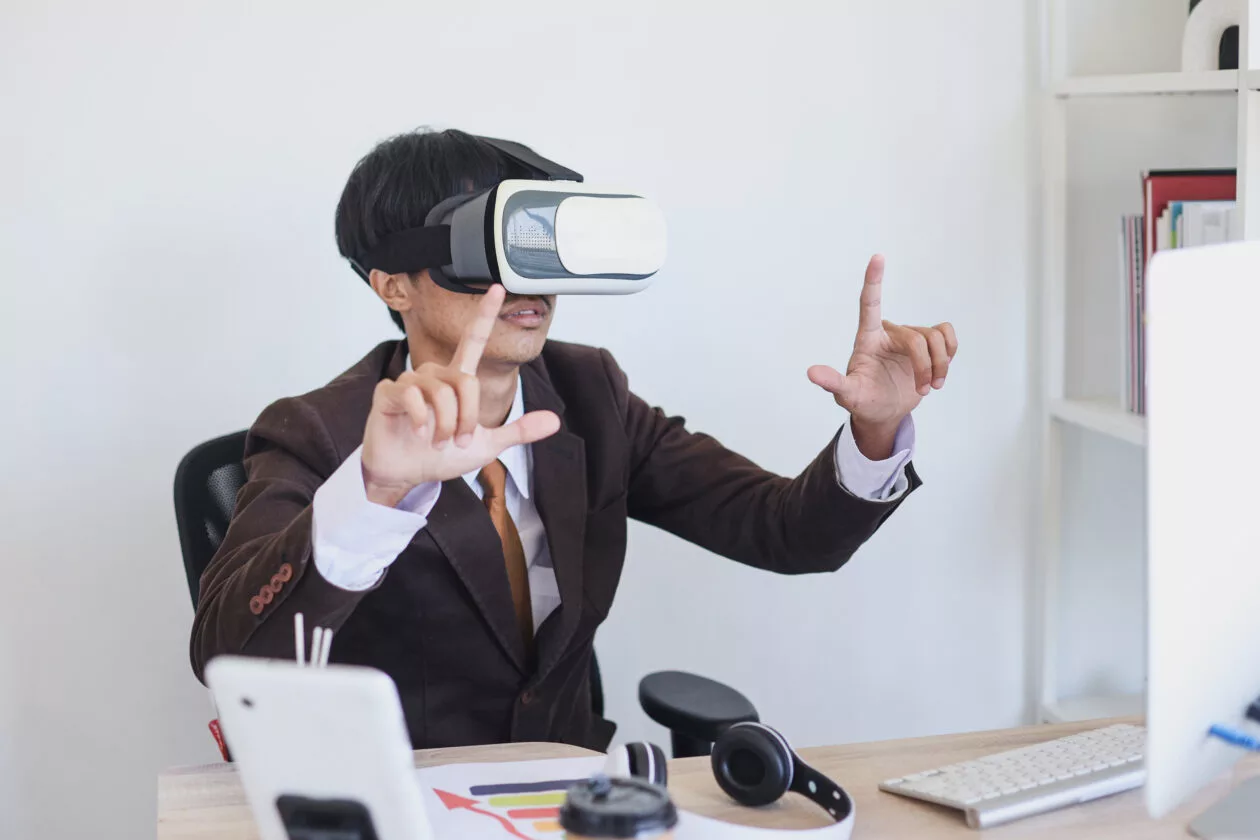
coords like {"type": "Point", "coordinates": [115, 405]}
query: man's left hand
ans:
{"type": "Point", "coordinates": [891, 370]}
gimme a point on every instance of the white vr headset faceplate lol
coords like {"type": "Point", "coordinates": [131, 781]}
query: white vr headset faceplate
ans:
{"type": "Point", "coordinates": [605, 241]}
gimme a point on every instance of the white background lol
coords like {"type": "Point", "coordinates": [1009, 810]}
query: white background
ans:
{"type": "Point", "coordinates": [169, 173]}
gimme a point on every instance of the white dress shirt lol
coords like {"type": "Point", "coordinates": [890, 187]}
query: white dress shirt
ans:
{"type": "Point", "coordinates": [355, 540]}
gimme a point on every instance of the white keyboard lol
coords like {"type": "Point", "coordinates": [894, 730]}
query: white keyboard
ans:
{"type": "Point", "coordinates": [1018, 783]}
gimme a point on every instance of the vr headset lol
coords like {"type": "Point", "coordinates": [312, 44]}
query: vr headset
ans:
{"type": "Point", "coordinates": [543, 235]}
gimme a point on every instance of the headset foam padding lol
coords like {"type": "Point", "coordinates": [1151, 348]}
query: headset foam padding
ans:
{"type": "Point", "coordinates": [753, 764]}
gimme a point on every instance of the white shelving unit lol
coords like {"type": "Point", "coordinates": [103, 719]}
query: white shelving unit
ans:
{"type": "Point", "coordinates": [1105, 418]}
{"type": "Point", "coordinates": [1149, 84]}
{"type": "Point", "coordinates": [1100, 417]}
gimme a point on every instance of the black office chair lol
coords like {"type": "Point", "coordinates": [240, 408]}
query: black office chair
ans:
{"type": "Point", "coordinates": [694, 709]}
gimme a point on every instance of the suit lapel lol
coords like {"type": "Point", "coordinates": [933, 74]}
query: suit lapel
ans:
{"type": "Point", "coordinates": [462, 529]}
{"type": "Point", "coordinates": [559, 477]}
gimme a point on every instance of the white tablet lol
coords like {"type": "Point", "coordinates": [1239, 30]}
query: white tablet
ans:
{"type": "Point", "coordinates": [321, 750]}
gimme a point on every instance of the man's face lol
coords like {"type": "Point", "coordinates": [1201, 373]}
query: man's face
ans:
{"type": "Point", "coordinates": [438, 318]}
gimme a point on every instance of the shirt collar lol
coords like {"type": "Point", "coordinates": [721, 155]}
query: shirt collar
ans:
{"type": "Point", "coordinates": [517, 459]}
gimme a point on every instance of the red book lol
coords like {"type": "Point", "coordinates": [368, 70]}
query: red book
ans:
{"type": "Point", "coordinates": [1162, 187]}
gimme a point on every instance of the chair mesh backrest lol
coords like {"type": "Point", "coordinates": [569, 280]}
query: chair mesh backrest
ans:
{"type": "Point", "coordinates": [222, 486]}
{"type": "Point", "coordinates": [206, 483]}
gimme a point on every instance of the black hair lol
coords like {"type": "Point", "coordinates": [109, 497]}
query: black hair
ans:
{"type": "Point", "coordinates": [396, 184]}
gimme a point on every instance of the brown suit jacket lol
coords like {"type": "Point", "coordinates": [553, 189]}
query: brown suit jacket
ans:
{"type": "Point", "coordinates": [441, 621]}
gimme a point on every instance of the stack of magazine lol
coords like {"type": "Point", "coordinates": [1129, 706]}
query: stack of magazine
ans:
{"type": "Point", "coordinates": [1183, 209]}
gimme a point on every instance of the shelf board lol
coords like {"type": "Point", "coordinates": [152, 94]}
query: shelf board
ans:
{"type": "Point", "coordinates": [1150, 84]}
{"type": "Point", "coordinates": [1098, 707]}
{"type": "Point", "coordinates": [1103, 417]}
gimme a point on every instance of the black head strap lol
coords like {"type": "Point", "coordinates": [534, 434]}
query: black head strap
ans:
{"type": "Point", "coordinates": [527, 157]}
{"type": "Point", "coordinates": [408, 250]}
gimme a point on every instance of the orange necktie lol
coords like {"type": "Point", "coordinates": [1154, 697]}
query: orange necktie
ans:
{"type": "Point", "coordinates": [493, 480]}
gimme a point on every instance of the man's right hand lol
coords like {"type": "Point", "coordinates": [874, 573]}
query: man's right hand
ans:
{"type": "Point", "coordinates": [424, 426]}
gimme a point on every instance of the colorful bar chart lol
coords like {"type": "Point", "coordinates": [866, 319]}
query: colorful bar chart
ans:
{"type": "Point", "coordinates": [517, 807]}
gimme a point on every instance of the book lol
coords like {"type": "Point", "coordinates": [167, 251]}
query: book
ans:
{"type": "Point", "coordinates": [1183, 208]}
{"type": "Point", "coordinates": [1162, 187]}
{"type": "Point", "coordinates": [1132, 266]}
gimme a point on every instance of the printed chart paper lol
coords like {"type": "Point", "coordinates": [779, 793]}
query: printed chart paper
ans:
{"type": "Point", "coordinates": [521, 801]}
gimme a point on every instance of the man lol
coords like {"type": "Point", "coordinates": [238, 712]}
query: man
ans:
{"type": "Point", "coordinates": [454, 506]}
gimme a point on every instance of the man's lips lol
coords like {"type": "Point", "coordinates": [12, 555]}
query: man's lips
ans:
{"type": "Point", "coordinates": [525, 313]}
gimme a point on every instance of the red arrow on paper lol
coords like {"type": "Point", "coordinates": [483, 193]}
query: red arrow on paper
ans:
{"type": "Point", "coordinates": [454, 801]}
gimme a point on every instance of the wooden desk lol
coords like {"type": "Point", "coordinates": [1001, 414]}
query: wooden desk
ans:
{"type": "Point", "coordinates": [207, 803]}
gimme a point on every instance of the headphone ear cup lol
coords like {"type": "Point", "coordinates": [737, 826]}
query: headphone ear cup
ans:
{"type": "Point", "coordinates": [637, 760]}
{"type": "Point", "coordinates": [752, 764]}
{"type": "Point", "coordinates": [647, 761]}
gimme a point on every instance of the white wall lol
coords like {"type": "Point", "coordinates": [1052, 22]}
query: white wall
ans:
{"type": "Point", "coordinates": [170, 172]}
{"type": "Point", "coordinates": [1111, 142]}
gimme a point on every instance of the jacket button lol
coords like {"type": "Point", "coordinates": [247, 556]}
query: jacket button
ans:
{"type": "Point", "coordinates": [266, 595]}
{"type": "Point", "coordinates": [527, 697]}
{"type": "Point", "coordinates": [277, 582]}
{"type": "Point", "coordinates": [256, 605]}
{"type": "Point", "coordinates": [286, 572]}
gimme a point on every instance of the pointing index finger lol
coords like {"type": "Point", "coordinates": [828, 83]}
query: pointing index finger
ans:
{"type": "Point", "coordinates": [870, 318]}
{"type": "Point", "coordinates": [477, 333]}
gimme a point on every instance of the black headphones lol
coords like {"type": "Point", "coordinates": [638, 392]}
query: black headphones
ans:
{"type": "Point", "coordinates": [755, 766]}
{"type": "Point", "coordinates": [752, 763]}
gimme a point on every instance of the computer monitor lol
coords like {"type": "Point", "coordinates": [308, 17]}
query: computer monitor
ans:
{"type": "Point", "coordinates": [1203, 515]}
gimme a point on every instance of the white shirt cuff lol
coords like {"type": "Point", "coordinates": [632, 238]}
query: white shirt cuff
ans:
{"type": "Point", "coordinates": [356, 540]}
{"type": "Point", "coordinates": [875, 481]}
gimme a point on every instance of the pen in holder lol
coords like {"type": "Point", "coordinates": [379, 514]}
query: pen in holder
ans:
{"type": "Point", "coordinates": [321, 644]}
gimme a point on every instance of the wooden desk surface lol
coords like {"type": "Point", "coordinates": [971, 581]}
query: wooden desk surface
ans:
{"type": "Point", "coordinates": [207, 802]}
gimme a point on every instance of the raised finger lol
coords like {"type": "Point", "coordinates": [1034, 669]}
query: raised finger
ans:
{"type": "Point", "coordinates": [468, 395]}
{"type": "Point", "coordinates": [869, 317]}
{"type": "Point", "coordinates": [477, 333]}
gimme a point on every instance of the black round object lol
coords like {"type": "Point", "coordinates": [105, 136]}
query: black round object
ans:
{"type": "Point", "coordinates": [617, 808]}
{"type": "Point", "coordinates": [752, 764]}
{"type": "Point", "coordinates": [696, 705]}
